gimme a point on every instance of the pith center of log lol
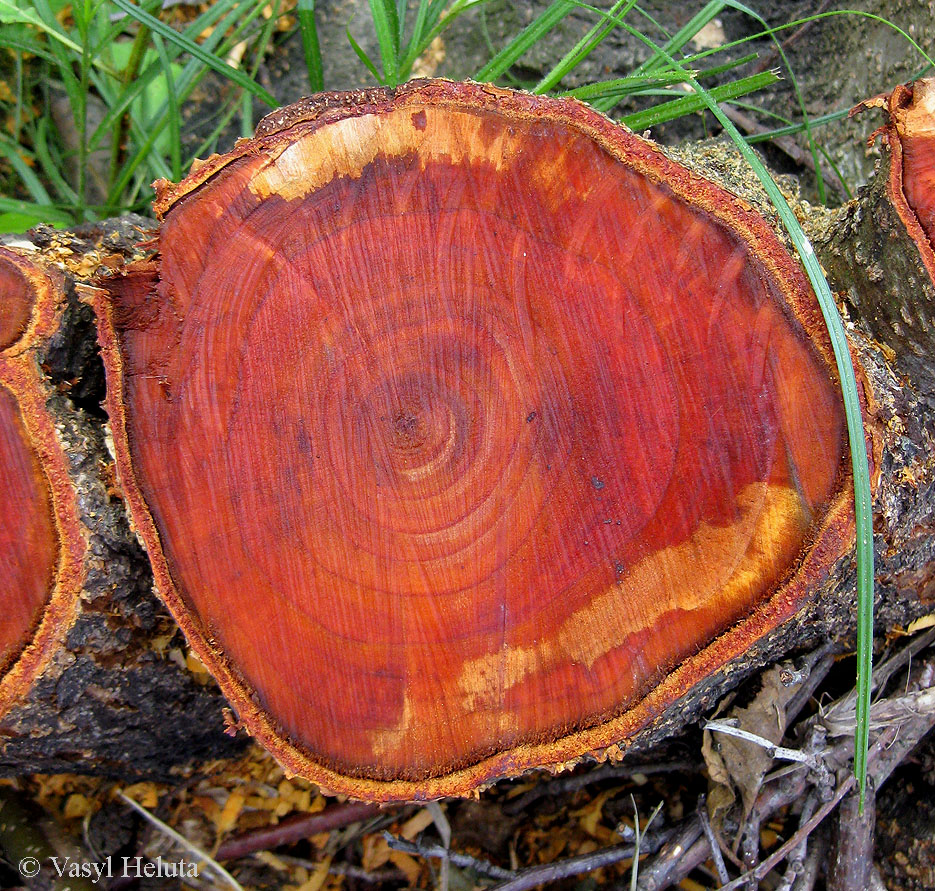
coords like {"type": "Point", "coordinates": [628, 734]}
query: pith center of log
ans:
{"type": "Point", "coordinates": [456, 421]}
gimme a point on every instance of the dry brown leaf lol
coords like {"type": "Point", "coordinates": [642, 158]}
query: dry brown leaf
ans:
{"type": "Point", "coordinates": [318, 877]}
{"type": "Point", "coordinates": [227, 818]}
{"type": "Point", "coordinates": [737, 765]}
{"type": "Point", "coordinates": [414, 825]}
{"type": "Point", "coordinates": [409, 866]}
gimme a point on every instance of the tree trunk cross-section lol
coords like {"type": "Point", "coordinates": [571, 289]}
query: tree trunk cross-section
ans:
{"type": "Point", "coordinates": [85, 680]}
{"type": "Point", "coordinates": [466, 432]}
{"type": "Point", "coordinates": [41, 545]}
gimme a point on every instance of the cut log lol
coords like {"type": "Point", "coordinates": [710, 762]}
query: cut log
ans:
{"type": "Point", "coordinates": [883, 248]}
{"type": "Point", "coordinates": [467, 432]}
{"type": "Point", "coordinates": [82, 686]}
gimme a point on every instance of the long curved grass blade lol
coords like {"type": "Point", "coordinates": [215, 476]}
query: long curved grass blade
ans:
{"type": "Point", "coordinates": [359, 51]}
{"type": "Point", "coordinates": [527, 38]}
{"type": "Point", "coordinates": [584, 47]}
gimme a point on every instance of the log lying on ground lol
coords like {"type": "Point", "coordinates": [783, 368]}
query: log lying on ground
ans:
{"type": "Point", "coordinates": [883, 247]}
{"type": "Point", "coordinates": [467, 433]}
{"type": "Point", "coordinates": [82, 687]}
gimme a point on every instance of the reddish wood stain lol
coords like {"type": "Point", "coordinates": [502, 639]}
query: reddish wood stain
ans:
{"type": "Point", "coordinates": [460, 429]}
{"type": "Point", "coordinates": [28, 543]}
{"type": "Point", "coordinates": [16, 303]}
{"type": "Point", "coordinates": [40, 542]}
{"type": "Point", "coordinates": [914, 114]}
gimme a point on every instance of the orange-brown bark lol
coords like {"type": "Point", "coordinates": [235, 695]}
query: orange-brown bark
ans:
{"type": "Point", "coordinates": [910, 138]}
{"type": "Point", "coordinates": [880, 250]}
{"type": "Point", "coordinates": [466, 432]}
{"type": "Point", "coordinates": [41, 545]}
{"type": "Point", "coordinates": [913, 116]}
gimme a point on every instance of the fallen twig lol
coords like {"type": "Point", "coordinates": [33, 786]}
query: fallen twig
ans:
{"type": "Point", "coordinates": [564, 785]}
{"type": "Point", "coordinates": [716, 854]}
{"type": "Point", "coordinates": [562, 869]}
{"type": "Point", "coordinates": [462, 861]}
{"type": "Point", "coordinates": [296, 828]}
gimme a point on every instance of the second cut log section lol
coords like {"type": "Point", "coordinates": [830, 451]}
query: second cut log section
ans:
{"type": "Point", "coordinates": [467, 432]}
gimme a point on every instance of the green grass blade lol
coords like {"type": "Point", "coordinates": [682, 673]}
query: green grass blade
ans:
{"type": "Point", "coordinates": [51, 168]}
{"type": "Point", "coordinates": [607, 94]}
{"type": "Point", "coordinates": [662, 54]}
{"type": "Point", "coordinates": [584, 47]}
{"type": "Point", "coordinates": [527, 38]}
{"type": "Point", "coordinates": [310, 45]}
{"type": "Point", "coordinates": [359, 50]}
{"type": "Point", "coordinates": [676, 108]}
{"type": "Point", "coordinates": [386, 27]}
{"type": "Point", "coordinates": [813, 148]}
{"type": "Point", "coordinates": [11, 151]}
{"type": "Point", "coordinates": [620, 87]}
{"type": "Point", "coordinates": [24, 215]}
{"type": "Point", "coordinates": [791, 129]}
{"type": "Point", "coordinates": [193, 49]}
{"type": "Point", "coordinates": [222, 17]}
{"type": "Point", "coordinates": [10, 13]}
{"type": "Point", "coordinates": [175, 116]}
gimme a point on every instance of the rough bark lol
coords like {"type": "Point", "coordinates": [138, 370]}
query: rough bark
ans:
{"type": "Point", "coordinates": [94, 689]}
{"type": "Point", "coordinates": [878, 252]}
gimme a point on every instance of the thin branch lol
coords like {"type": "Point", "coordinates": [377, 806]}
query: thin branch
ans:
{"type": "Point", "coordinates": [462, 861]}
{"type": "Point", "coordinates": [552, 872]}
{"type": "Point", "coordinates": [295, 829]}
{"type": "Point", "coordinates": [564, 785]}
{"type": "Point", "coordinates": [719, 865]}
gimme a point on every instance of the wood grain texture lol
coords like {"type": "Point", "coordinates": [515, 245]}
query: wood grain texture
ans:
{"type": "Point", "coordinates": [466, 432]}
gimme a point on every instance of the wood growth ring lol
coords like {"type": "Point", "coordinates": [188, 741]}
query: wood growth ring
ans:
{"type": "Point", "coordinates": [466, 432]}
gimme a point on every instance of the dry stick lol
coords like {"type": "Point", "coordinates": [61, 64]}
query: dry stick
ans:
{"type": "Point", "coordinates": [607, 772]}
{"type": "Point", "coordinates": [819, 664]}
{"type": "Point", "coordinates": [795, 862]}
{"type": "Point", "coordinates": [805, 880]}
{"type": "Point", "coordinates": [692, 858]}
{"type": "Point", "coordinates": [295, 829]}
{"type": "Point", "coordinates": [462, 861]}
{"type": "Point", "coordinates": [853, 859]}
{"type": "Point", "coordinates": [885, 739]}
{"type": "Point", "coordinates": [884, 757]}
{"type": "Point", "coordinates": [552, 872]}
{"type": "Point", "coordinates": [372, 876]}
{"type": "Point", "coordinates": [656, 875]}
{"type": "Point", "coordinates": [718, 858]}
